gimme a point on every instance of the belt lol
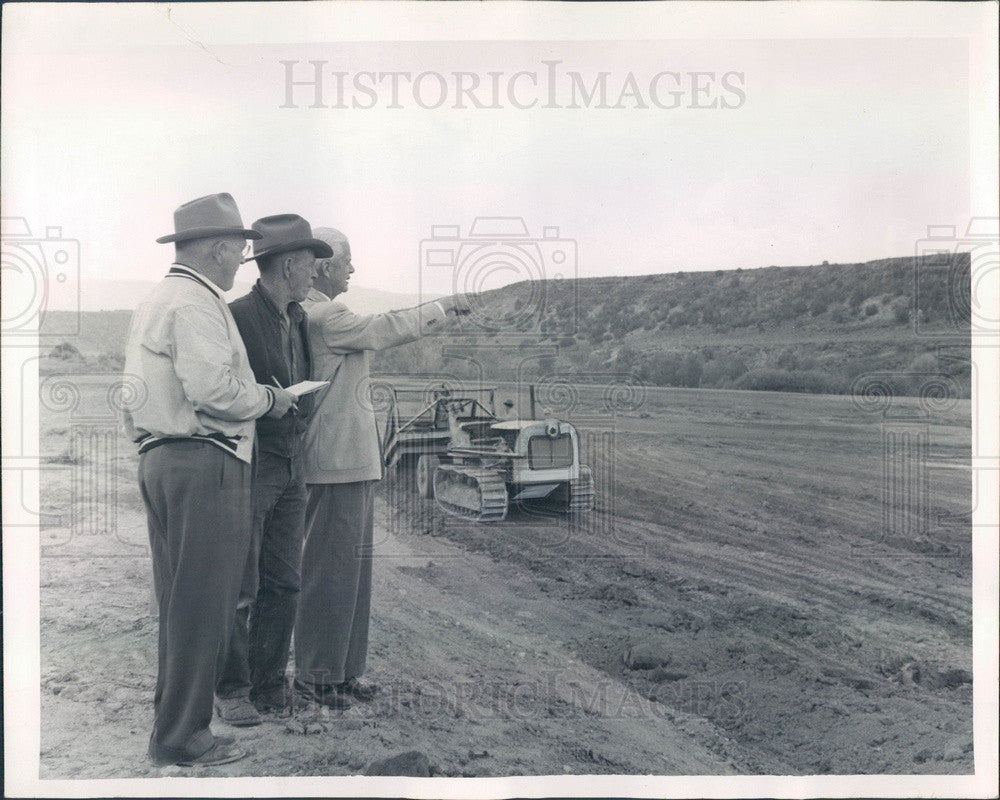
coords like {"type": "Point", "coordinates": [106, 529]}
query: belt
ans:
{"type": "Point", "coordinates": [148, 442]}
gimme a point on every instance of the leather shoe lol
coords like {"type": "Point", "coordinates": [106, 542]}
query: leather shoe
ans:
{"type": "Point", "coordinates": [273, 702]}
{"type": "Point", "coordinates": [322, 693]}
{"type": "Point", "coordinates": [237, 711]}
{"type": "Point", "coordinates": [365, 692]}
{"type": "Point", "coordinates": [223, 751]}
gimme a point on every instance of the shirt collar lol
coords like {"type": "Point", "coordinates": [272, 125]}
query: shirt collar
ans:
{"type": "Point", "coordinates": [175, 267]}
{"type": "Point", "coordinates": [294, 309]}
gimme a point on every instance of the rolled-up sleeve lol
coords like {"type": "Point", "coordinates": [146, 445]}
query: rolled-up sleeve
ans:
{"type": "Point", "coordinates": [343, 331]}
{"type": "Point", "coordinates": [202, 356]}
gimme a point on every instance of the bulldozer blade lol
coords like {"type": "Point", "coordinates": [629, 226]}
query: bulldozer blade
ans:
{"type": "Point", "coordinates": [536, 491]}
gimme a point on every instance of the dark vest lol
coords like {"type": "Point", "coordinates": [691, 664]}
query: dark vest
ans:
{"type": "Point", "coordinates": [259, 322]}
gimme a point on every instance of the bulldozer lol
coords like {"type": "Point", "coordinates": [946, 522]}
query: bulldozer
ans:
{"type": "Point", "coordinates": [457, 451]}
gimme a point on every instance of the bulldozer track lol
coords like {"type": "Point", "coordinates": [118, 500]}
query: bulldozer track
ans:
{"type": "Point", "coordinates": [471, 493]}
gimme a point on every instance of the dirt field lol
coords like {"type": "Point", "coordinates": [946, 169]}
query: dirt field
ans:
{"type": "Point", "coordinates": [740, 602]}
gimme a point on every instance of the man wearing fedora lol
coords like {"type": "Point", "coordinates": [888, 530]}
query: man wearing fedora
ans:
{"type": "Point", "coordinates": [273, 327]}
{"type": "Point", "coordinates": [343, 461]}
{"type": "Point", "coordinates": [194, 425]}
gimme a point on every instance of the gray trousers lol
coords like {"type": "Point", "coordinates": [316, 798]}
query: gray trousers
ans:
{"type": "Point", "coordinates": [197, 500]}
{"type": "Point", "coordinates": [331, 626]}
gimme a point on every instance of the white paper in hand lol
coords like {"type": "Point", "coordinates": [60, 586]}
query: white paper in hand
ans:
{"type": "Point", "coordinates": [305, 387]}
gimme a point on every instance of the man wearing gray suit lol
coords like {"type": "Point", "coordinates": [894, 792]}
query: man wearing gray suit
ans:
{"type": "Point", "coordinates": [343, 461]}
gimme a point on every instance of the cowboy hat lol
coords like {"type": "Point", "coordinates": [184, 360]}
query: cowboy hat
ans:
{"type": "Point", "coordinates": [212, 215]}
{"type": "Point", "coordinates": [283, 233]}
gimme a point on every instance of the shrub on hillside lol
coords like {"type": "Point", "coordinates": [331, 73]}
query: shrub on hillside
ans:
{"type": "Point", "coordinates": [677, 317]}
{"type": "Point", "coordinates": [671, 369]}
{"type": "Point", "coordinates": [66, 351]}
{"type": "Point", "coordinates": [858, 296]}
{"type": "Point", "coordinates": [694, 366]}
{"type": "Point", "coordinates": [781, 380]}
{"type": "Point", "coordinates": [925, 362]}
{"type": "Point", "coordinates": [871, 310]}
{"type": "Point", "coordinates": [787, 359]}
{"type": "Point", "coordinates": [711, 316]}
{"type": "Point", "coordinates": [900, 308]}
{"type": "Point", "coordinates": [625, 358]}
{"type": "Point", "coordinates": [722, 372]}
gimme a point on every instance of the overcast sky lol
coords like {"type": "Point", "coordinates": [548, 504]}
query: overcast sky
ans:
{"type": "Point", "coordinates": [841, 143]}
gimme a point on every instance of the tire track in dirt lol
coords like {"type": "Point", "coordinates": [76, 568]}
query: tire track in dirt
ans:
{"type": "Point", "coordinates": [783, 654]}
{"type": "Point", "coordinates": [503, 602]}
{"type": "Point", "coordinates": [845, 631]}
{"type": "Point", "coordinates": [803, 664]}
{"type": "Point", "coordinates": [492, 601]}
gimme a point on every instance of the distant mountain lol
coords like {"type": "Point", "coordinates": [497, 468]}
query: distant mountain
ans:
{"type": "Point", "coordinates": [98, 331]}
{"type": "Point", "coordinates": [807, 329]}
{"type": "Point", "coordinates": [117, 295]}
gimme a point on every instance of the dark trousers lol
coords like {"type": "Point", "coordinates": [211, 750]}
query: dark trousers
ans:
{"type": "Point", "coordinates": [331, 628]}
{"type": "Point", "coordinates": [197, 500]}
{"type": "Point", "coordinates": [258, 648]}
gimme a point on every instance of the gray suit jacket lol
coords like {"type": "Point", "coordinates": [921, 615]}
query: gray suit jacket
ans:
{"type": "Point", "coordinates": [342, 441]}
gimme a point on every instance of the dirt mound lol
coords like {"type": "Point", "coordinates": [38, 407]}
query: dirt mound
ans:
{"type": "Point", "coordinates": [647, 655]}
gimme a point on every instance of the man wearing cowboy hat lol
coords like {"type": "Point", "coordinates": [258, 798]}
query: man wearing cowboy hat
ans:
{"type": "Point", "coordinates": [194, 425]}
{"type": "Point", "coordinates": [273, 327]}
{"type": "Point", "coordinates": [343, 461]}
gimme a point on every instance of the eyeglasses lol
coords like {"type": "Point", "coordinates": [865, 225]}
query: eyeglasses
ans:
{"type": "Point", "coordinates": [245, 252]}
{"type": "Point", "coordinates": [244, 249]}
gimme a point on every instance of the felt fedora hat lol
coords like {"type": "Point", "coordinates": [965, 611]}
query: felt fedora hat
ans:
{"type": "Point", "coordinates": [283, 233]}
{"type": "Point", "coordinates": [212, 215]}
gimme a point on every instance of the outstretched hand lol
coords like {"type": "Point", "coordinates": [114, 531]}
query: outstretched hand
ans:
{"type": "Point", "coordinates": [458, 304]}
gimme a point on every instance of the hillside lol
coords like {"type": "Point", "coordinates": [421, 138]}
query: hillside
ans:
{"type": "Point", "coordinates": [811, 329]}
